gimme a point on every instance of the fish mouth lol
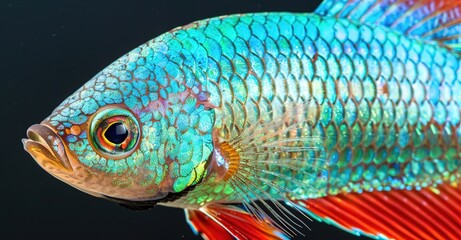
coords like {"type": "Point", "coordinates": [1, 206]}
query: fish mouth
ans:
{"type": "Point", "coordinates": [46, 147]}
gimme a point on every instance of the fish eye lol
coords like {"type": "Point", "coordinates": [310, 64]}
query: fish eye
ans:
{"type": "Point", "coordinates": [114, 133]}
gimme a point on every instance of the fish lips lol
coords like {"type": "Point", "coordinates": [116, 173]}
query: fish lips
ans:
{"type": "Point", "coordinates": [45, 145]}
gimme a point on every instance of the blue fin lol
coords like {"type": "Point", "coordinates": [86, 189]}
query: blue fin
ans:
{"type": "Point", "coordinates": [433, 20]}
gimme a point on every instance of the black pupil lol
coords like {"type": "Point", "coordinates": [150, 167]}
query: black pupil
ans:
{"type": "Point", "coordinates": [116, 133]}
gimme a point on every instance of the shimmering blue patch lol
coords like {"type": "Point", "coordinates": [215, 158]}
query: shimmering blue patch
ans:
{"type": "Point", "coordinates": [79, 119]}
{"type": "Point", "coordinates": [71, 138]}
{"type": "Point", "coordinates": [141, 73]}
{"type": "Point", "coordinates": [90, 106]}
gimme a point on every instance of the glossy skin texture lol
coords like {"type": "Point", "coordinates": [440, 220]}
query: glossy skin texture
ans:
{"type": "Point", "coordinates": [387, 106]}
{"type": "Point", "coordinates": [382, 104]}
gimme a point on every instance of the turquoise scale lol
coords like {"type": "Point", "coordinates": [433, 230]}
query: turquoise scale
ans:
{"type": "Point", "coordinates": [389, 112]}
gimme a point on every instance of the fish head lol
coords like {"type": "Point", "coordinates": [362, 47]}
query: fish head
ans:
{"type": "Point", "coordinates": [134, 131]}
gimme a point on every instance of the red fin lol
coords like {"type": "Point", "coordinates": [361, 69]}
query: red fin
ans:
{"type": "Point", "coordinates": [206, 226]}
{"type": "Point", "coordinates": [227, 222]}
{"type": "Point", "coordinates": [429, 213]}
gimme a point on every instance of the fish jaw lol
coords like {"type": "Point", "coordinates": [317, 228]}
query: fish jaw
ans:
{"type": "Point", "coordinates": [49, 151]}
{"type": "Point", "coordinates": [46, 147]}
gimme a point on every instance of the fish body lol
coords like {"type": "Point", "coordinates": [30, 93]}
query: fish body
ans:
{"type": "Point", "coordinates": [386, 112]}
{"type": "Point", "coordinates": [273, 107]}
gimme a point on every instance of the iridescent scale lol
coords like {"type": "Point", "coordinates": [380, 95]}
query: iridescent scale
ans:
{"type": "Point", "coordinates": [389, 108]}
{"type": "Point", "coordinates": [387, 105]}
{"type": "Point", "coordinates": [310, 110]}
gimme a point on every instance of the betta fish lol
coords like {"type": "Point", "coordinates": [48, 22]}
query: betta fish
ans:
{"type": "Point", "coordinates": [254, 123]}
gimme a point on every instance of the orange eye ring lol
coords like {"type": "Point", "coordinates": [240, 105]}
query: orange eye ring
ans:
{"type": "Point", "coordinates": [114, 133]}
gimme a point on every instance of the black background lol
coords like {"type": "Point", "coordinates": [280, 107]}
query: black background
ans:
{"type": "Point", "coordinates": [48, 50]}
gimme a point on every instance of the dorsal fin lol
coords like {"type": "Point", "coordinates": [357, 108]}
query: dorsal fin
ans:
{"type": "Point", "coordinates": [436, 20]}
{"type": "Point", "coordinates": [429, 213]}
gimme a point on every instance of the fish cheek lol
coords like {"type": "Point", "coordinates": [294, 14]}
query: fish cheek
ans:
{"type": "Point", "coordinates": [190, 151]}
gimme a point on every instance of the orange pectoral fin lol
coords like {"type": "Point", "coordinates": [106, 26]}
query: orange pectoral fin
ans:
{"type": "Point", "coordinates": [229, 222]}
{"type": "Point", "coordinates": [429, 213]}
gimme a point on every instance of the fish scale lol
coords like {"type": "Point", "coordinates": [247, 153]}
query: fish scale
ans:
{"type": "Point", "coordinates": [389, 114]}
{"type": "Point", "coordinates": [350, 115]}
{"type": "Point", "coordinates": [362, 81]}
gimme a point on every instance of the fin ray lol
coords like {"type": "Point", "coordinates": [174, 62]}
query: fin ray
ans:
{"type": "Point", "coordinates": [206, 226]}
{"type": "Point", "coordinates": [428, 213]}
{"type": "Point", "coordinates": [227, 222]}
{"type": "Point", "coordinates": [274, 142]}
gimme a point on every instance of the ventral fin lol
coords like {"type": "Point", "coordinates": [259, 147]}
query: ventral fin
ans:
{"type": "Point", "coordinates": [204, 225]}
{"type": "Point", "coordinates": [429, 213]}
{"type": "Point", "coordinates": [229, 222]}
{"type": "Point", "coordinates": [436, 20]}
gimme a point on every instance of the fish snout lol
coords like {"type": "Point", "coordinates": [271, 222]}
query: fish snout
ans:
{"type": "Point", "coordinates": [45, 146]}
